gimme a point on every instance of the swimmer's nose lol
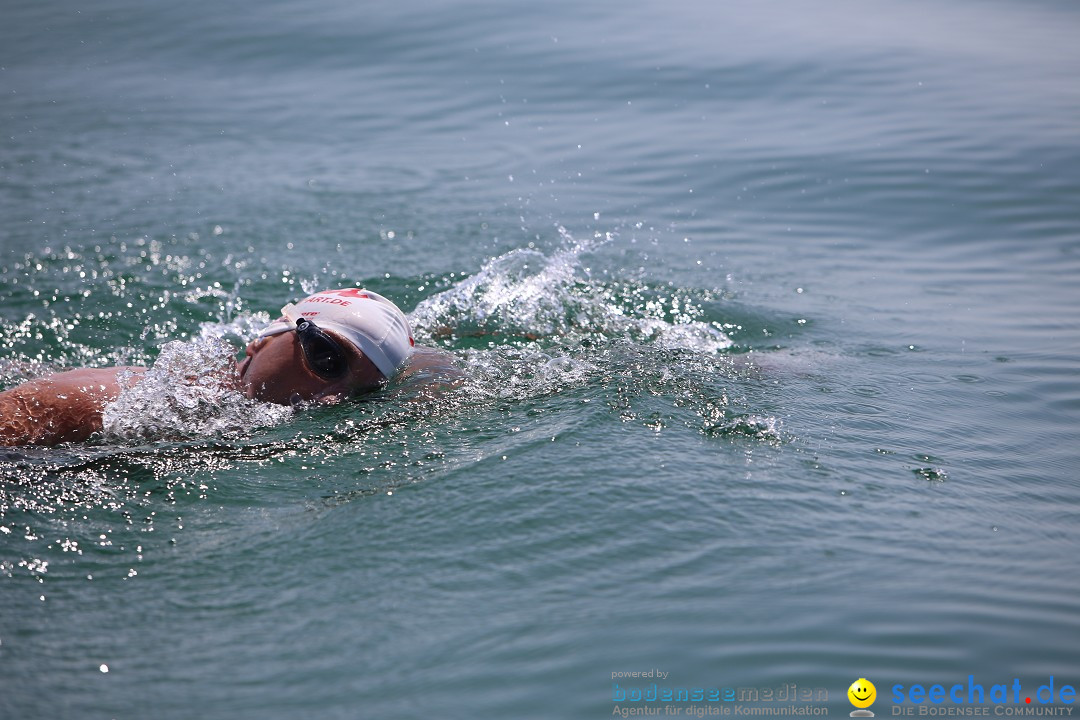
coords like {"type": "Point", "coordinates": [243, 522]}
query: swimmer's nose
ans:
{"type": "Point", "coordinates": [254, 345]}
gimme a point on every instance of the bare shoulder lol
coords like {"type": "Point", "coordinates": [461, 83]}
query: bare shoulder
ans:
{"type": "Point", "coordinates": [428, 365]}
{"type": "Point", "coordinates": [62, 407]}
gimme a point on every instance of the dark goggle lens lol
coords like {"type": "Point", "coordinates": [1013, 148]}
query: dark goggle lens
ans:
{"type": "Point", "coordinates": [324, 356]}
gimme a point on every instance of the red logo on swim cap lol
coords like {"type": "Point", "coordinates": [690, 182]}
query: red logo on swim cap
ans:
{"type": "Point", "coordinates": [347, 292]}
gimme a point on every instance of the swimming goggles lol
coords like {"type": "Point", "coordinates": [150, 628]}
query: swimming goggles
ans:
{"type": "Point", "coordinates": [323, 355]}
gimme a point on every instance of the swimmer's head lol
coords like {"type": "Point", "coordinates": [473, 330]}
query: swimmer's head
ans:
{"type": "Point", "coordinates": [327, 346]}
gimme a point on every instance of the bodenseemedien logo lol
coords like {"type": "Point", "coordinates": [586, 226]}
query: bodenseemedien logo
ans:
{"type": "Point", "coordinates": [862, 694]}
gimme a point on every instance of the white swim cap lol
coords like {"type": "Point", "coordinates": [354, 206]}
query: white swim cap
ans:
{"type": "Point", "coordinates": [373, 324]}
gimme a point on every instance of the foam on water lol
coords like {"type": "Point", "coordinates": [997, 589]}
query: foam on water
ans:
{"type": "Point", "coordinates": [190, 391]}
{"type": "Point", "coordinates": [549, 326]}
{"type": "Point", "coordinates": [525, 293]}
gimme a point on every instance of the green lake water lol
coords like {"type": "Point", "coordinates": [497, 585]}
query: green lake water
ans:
{"type": "Point", "coordinates": [769, 314]}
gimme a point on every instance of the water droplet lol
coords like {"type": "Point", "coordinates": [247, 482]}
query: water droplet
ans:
{"type": "Point", "coordinates": [931, 474]}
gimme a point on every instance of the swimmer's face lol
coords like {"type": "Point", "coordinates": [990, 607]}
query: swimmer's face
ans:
{"type": "Point", "coordinates": [277, 371]}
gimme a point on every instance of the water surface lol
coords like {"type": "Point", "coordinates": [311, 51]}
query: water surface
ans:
{"type": "Point", "coordinates": [768, 315]}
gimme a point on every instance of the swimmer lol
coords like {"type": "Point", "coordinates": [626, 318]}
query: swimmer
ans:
{"type": "Point", "coordinates": [322, 349]}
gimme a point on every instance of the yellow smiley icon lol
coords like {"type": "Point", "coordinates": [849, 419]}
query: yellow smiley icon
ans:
{"type": "Point", "coordinates": [862, 693]}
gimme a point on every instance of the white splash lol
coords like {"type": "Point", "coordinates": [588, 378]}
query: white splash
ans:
{"type": "Point", "coordinates": [191, 390]}
{"type": "Point", "coordinates": [528, 294]}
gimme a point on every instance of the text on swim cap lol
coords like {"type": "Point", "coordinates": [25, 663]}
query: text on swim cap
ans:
{"type": "Point", "coordinates": [328, 300]}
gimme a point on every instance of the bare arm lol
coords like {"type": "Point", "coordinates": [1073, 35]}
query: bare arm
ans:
{"type": "Point", "coordinates": [64, 407]}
